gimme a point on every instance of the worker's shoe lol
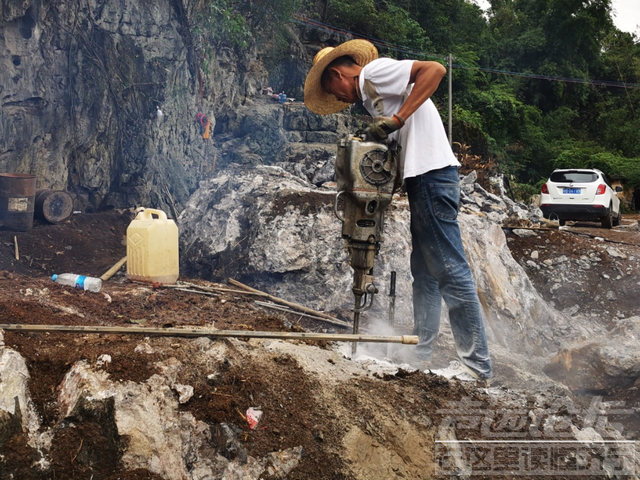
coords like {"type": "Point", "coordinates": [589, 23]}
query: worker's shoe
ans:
{"type": "Point", "coordinates": [463, 373]}
{"type": "Point", "coordinates": [487, 383]}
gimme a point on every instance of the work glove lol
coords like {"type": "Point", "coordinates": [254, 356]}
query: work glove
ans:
{"type": "Point", "coordinates": [382, 127]}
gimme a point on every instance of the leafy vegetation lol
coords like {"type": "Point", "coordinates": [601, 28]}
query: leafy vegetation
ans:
{"type": "Point", "coordinates": [219, 22]}
{"type": "Point", "coordinates": [238, 24]}
{"type": "Point", "coordinates": [523, 86]}
{"type": "Point", "coordinates": [591, 156]}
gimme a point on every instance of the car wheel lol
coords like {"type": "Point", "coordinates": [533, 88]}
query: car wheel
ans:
{"type": "Point", "coordinates": [607, 220]}
{"type": "Point", "coordinates": [617, 220]}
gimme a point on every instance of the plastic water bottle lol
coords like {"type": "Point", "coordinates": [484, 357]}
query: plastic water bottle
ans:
{"type": "Point", "coordinates": [78, 281]}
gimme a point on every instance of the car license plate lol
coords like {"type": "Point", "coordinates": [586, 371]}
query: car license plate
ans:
{"type": "Point", "coordinates": [571, 191]}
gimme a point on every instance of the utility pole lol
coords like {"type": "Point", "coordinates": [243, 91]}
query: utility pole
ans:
{"type": "Point", "coordinates": [450, 100]}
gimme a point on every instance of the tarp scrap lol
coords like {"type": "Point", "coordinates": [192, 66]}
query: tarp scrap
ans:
{"type": "Point", "coordinates": [204, 124]}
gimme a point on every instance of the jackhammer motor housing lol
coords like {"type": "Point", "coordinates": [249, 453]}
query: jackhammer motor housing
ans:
{"type": "Point", "coordinates": [366, 173]}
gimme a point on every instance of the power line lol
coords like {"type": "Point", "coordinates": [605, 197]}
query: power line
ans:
{"type": "Point", "coordinates": [376, 41]}
{"type": "Point", "coordinates": [403, 49]}
{"type": "Point", "coordinates": [600, 83]}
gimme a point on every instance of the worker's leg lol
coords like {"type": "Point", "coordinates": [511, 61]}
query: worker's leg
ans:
{"type": "Point", "coordinates": [434, 198]}
{"type": "Point", "coordinates": [427, 301]}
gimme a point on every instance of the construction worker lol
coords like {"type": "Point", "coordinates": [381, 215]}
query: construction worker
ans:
{"type": "Point", "coordinates": [397, 94]}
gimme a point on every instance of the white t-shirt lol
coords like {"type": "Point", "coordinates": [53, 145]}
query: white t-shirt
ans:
{"type": "Point", "coordinates": [384, 84]}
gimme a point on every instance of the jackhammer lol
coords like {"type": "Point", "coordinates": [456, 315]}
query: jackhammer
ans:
{"type": "Point", "coordinates": [366, 177]}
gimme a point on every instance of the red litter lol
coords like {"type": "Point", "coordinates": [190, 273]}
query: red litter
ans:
{"type": "Point", "coordinates": [253, 417]}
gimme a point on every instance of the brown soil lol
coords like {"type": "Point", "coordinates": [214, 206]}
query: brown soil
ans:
{"type": "Point", "coordinates": [586, 288]}
{"type": "Point", "coordinates": [88, 447]}
{"type": "Point", "coordinates": [86, 243]}
{"type": "Point", "coordinates": [90, 244]}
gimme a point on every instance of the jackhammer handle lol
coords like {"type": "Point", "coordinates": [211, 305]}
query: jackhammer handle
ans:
{"type": "Point", "coordinates": [335, 206]}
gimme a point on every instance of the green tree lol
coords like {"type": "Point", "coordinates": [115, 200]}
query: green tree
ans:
{"type": "Point", "coordinates": [385, 21]}
{"type": "Point", "coordinates": [528, 124]}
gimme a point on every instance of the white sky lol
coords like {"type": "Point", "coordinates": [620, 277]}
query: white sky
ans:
{"type": "Point", "coordinates": [626, 14]}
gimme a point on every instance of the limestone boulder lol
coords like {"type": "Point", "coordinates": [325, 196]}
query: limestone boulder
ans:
{"type": "Point", "coordinates": [277, 232]}
{"type": "Point", "coordinates": [17, 413]}
{"type": "Point", "coordinates": [159, 436]}
{"type": "Point", "coordinates": [601, 362]}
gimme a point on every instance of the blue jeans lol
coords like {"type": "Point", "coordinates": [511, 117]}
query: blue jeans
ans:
{"type": "Point", "coordinates": [440, 270]}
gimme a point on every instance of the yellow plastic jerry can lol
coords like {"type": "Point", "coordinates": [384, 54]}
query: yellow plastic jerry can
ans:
{"type": "Point", "coordinates": [152, 248]}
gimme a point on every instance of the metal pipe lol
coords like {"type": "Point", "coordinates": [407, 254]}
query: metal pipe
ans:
{"type": "Point", "coordinates": [203, 332]}
{"type": "Point", "coordinates": [392, 299]}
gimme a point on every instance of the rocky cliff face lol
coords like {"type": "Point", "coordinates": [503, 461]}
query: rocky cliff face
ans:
{"type": "Point", "coordinates": [263, 132]}
{"type": "Point", "coordinates": [81, 86]}
{"type": "Point", "coordinates": [83, 83]}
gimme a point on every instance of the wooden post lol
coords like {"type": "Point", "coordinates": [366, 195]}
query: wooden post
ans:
{"type": "Point", "coordinates": [112, 271]}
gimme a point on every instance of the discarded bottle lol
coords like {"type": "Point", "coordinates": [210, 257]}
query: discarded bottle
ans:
{"type": "Point", "coordinates": [78, 281]}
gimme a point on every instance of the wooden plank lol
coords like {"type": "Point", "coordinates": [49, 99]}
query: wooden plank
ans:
{"type": "Point", "coordinates": [204, 332]}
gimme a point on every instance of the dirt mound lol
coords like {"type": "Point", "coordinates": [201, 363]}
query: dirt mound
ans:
{"type": "Point", "coordinates": [299, 411]}
{"type": "Point", "coordinates": [351, 421]}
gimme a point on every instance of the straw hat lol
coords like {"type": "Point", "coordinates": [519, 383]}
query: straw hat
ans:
{"type": "Point", "coordinates": [315, 98]}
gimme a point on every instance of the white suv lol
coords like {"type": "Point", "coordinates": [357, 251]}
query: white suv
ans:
{"type": "Point", "coordinates": [580, 194]}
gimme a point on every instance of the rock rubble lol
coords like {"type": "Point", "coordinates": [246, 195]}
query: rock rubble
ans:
{"type": "Point", "coordinates": [277, 232]}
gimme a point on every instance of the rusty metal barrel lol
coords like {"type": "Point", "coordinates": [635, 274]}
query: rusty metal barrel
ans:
{"type": "Point", "coordinates": [54, 206]}
{"type": "Point", "coordinates": [17, 199]}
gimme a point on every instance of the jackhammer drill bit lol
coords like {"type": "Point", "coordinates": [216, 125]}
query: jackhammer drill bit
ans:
{"type": "Point", "coordinates": [359, 306]}
{"type": "Point", "coordinates": [362, 257]}
{"type": "Point", "coordinates": [356, 322]}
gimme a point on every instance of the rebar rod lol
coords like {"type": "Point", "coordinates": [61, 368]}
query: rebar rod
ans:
{"type": "Point", "coordinates": [392, 299]}
{"type": "Point", "coordinates": [297, 306]}
{"type": "Point", "coordinates": [203, 332]}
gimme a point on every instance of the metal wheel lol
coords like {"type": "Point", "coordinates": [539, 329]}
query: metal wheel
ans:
{"type": "Point", "coordinates": [374, 167]}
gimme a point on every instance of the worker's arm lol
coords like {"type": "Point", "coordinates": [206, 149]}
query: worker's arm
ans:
{"type": "Point", "coordinates": [426, 77]}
